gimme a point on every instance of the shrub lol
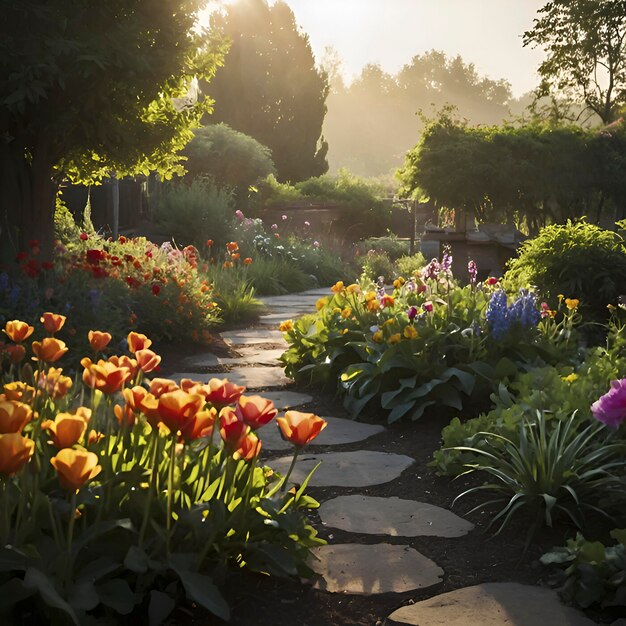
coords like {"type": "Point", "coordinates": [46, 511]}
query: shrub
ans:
{"type": "Point", "coordinates": [577, 260]}
{"type": "Point", "coordinates": [407, 265]}
{"type": "Point", "coordinates": [389, 244]}
{"type": "Point", "coordinates": [231, 159]}
{"type": "Point", "coordinates": [548, 472]}
{"type": "Point", "coordinates": [195, 212]}
{"type": "Point", "coordinates": [594, 573]}
{"type": "Point", "coordinates": [110, 507]}
{"type": "Point", "coordinates": [377, 265]}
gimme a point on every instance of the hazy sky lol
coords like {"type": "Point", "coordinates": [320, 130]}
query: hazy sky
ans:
{"type": "Point", "coordinates": [390, 32]}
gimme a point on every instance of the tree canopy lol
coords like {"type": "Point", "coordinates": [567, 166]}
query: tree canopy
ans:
{"type": "Point", "coordinates": [88, 88]}
{"type": "Point", "coordinates": [270, 87]}
{"type": "Point", "coordinates": [372, 122]}
{"type": "Point", "coordinates": [585, 41]}
{"type": "Point", "coordinates": [532, 175]}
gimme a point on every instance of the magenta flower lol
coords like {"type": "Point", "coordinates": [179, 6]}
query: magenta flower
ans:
{"type": "Point", "coordinates": [240, 215]}
{"type": "Point", "coordinates": [472, 270]}
{"type": "Point", "coordinates": [428, 306]}
{"type": "Point", "coordinates": [610, 409]}
{"type": "Point", "coordinates": [412, 313]}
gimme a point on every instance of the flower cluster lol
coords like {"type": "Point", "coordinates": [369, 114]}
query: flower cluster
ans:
{"type": "Point", "coordinates": [522, 313]}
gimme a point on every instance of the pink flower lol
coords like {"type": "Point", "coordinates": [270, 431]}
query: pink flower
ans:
{"type": "Point", "coordinates": [274, 226]}
{"type": "Point", "coordinates": [610, 409]}
{"type": "Point", "coordinates": [240, 215]}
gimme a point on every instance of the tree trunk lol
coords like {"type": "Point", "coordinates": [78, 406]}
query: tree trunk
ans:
{"type": "Point", "coordinates": [27, 201]}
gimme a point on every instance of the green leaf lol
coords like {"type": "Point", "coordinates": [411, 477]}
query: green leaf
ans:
{"type": "Point", "coordinates": [201, 589]}
{"type": "Point", "coordinates": [117, 595]}
{"type": "Point", "coordinates": [36, 579]}
{"type": "Point", "coordinates": [136, 560]}
{"type": "Point", "coordinates": [13, 592]}
{"type": "Point", "coordinates": [83, 596]}
{"type": "Point", "coordinates": [94, 570]}
{"type": "Point", "coordinates": [619, 534]}
{"type": "Point", "coordinates": [12, 560]}
{"type": "Point", "coordinates": [160, 607]}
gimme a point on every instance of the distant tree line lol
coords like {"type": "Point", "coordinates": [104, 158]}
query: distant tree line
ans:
{"type": "Point", "coordinates": [531, 175]}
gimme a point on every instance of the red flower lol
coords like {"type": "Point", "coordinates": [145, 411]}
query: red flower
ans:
{"type": "Point", "coordinates": [84, 236]}
{"type": "Point", "coordinates": [94, 256]}
{"type": "Point", "coordinates": [33, 243]}
{"type": "Point", "coordinates": [209, 243]}
{"type": "Point", "coordinates": [122, 239]}
{"type": "Point", "coordinates": [255, 411]}
{"type": "Point", "coordinates": [156, 289]}
{"type": "Point", "coordinates": [47, 265]}
{"type": "Point", "coordinates": [31, 268]}
{"type": "Point", "coordinates": [232, 430]}
{"type": "Point", "coordinates": [98, 272]}
{"type": "Point", "coordinates": [21, 256]}
{"type": "Point", "coordinates": [132, 282]}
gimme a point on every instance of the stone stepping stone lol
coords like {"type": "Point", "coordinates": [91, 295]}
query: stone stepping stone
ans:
{"type": "Point", "coordinates": [254, 356]}
{"type": "Point", "coordinates": [392, 516]}
{"type": "Point", "coordinates": [369, 569]}
{"type": "Point", "coordinates": [339, 431]}
{"type": "Point", "coordinates": [256, 377]}
{"type": "Point", "coordinates": [287, 399]}
{"type": "Point", "coordinates": [201, 361]}
{"type": "Point", "coordinates": [361, 468]}
{"type": "Point", "coordinates": [255, 336]}
{"type": "Point", "coordinates": [491, 604]}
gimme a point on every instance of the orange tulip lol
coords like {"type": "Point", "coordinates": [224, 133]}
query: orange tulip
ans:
{"type": "Point", "coordinates": [132, 406]}
{"type": "Point", "coordinates": [159, 386]}
{"type": "Point", "coordinates": [49, 349]}
{"type": "Point", "coordinates": [98, 340]}
{"type": "Point", "coordinates": [249, 447]}
{"type": "Point", "coordinates": [18, 331]}
{"type": "Point", "coordinates": [19, 391]}
{"type": "Point", "coordinates": [192, 386]}
{"type": "Point", "coordinates": [137, 341]}
{"type": "Point", "coordinates": [52, 322]}
{"type": "Point", "coordinates": [222, 392]}
{"type": "Point", "coordinates": [127, 362]}
{"type": "Point", "coordinates": [200, 425]}
{"type": "Point", "coordinates": [16, 353]}
{"type": "Point", "coordinates": [14, 416]}
{"type": "Point", "coordinates": [149, 406]}
{"type": "Point", "coordinates": [177, 408]}
{"type": "Point", "coordinates": [15, 451]}
{"type": "Point", "coordinates": [53, 383]}
{"type": "Point", "coordinates": [232, 246]}
{"type": "Point", "coordinates": [232, 430]}
{"type": "Point", "coordinates": [104, 375]}
{"type": "Point", "coordinates": [94, 437]}
{"type": "Point", "coordinates": [66, 430]}
{"type": "Point", "coordinates": [255, 411]}
{"type": "Point", "coordinates": [75, 467]}
{"type": "Point", "coordinates": [147, 360]}
{"type": "Point", "coordinates": [84, 412]}
{"type": "Point", "coordinates": [300, 428]}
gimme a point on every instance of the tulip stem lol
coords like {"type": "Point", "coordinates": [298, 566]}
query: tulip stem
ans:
{"type": "Point", "coordinates": [70, 537]}
{"type": "Point", "coordinates": [151, 487]}
{"type": "Point", "coordinates": [293, 463]}
{"type": "Point", "coordinates": [170, 489]}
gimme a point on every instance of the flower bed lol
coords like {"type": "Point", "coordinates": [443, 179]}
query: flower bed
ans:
{"type": "Point", "coordinates": [121, 493]}
{"type": "Point", "coordinates": [427, 342]}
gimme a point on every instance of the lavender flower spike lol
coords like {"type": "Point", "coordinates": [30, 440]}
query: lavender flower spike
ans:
{"type": "Point", "coordinates": [610, 409]}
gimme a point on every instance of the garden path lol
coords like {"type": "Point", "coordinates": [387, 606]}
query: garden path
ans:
{"type": "Point", "coordinates": [367, 569]}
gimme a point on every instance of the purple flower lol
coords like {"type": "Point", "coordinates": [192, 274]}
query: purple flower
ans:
{"type": "Point", "coordinates": [240, 215]}
{"type": "Point", "coordinates": [431, 270]}
{"type": "Point", "coordinates": [412, 313]}
{"type": "Point", "coordinates": [610, 409]}
{"type": "Point", "coordinates": [446, 260]}
{"type": "Point", "coordinates": [472, 270]}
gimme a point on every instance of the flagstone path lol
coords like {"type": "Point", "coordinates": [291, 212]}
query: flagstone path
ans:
{"type": "Point", "coordinates": [366, 569]}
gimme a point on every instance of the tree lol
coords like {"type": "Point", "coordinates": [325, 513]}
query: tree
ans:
{"type": "Point", "coordinates": [586, 47]}
{"type": "Point", "coordinates": [87, 89]}
{"type": "Point", "coordinates": [232, 159]}
{"type": "Point", "coordinates": [270, 88]}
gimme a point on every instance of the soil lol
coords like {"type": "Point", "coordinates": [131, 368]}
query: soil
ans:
{"type": "Point", "coordinates": [478, 557]}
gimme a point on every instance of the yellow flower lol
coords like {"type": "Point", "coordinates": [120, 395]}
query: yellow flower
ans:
{"type": "Point", "coordinates": [336, 310]}
{"type": "Point", "coordinates": [286, 326]}
{"type": "Point", "coordinates": [344, 331]}
{"type": "Point", "coordinates": [572, 303]}
{"type": "Point", "coordinates": [570, 379]}
{"type": "Point", "coordinates": [321, 303]}
{"type": "Point", "coordinates": [410, 332]}
{"type": "Point", "coordinates": [378, 336]}
{"type": "Point", "coordinates": [370, 295]}
{"type": "Point", "coordinates": [395, 338]}
{"type": "Point", "coordinates": [353, 288]}
{"type": "Point", "coordinates": [388, 322]}
{"type": "Point", "coordinates": [338, 287]}
{"type": "Point", "coordinates": [372, 306]}
{"type": "Point", "coordinates": [560, 297]}
{"type": "Point", "coordinates": [398, 282]}
{"type": "Point", "coordinates": [346, 313]}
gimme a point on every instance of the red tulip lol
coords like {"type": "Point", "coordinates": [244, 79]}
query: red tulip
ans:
{"type": "Point", "coordinates": [255, 411]}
